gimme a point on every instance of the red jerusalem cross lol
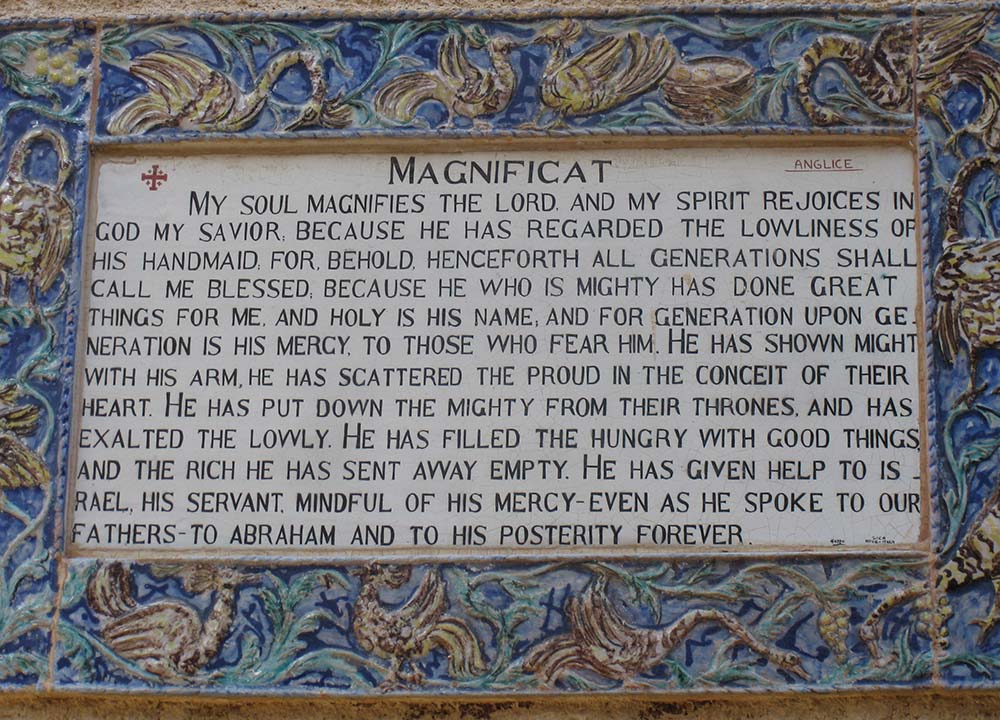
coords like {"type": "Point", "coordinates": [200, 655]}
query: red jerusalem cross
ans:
{"type": "Point", "coordinates": [154, 178]}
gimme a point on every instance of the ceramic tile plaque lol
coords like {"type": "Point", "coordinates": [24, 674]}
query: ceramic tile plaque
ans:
{"type": "Point", "coordinates": [492, 356]}
{"type": "Point", "coordinates": [641, 349]}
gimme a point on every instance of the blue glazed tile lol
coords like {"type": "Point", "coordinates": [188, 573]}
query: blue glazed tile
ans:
{"type": "Point", "coordinates": [674, 74]}
{"type": "Point", "coordinates": [44, 105]}
{"type": "Point", "coordinates": [480, 627]}
{"type": "Point", "coordinates": [958, 134]}
{"type": "Point", "coordinates": [587, 626]}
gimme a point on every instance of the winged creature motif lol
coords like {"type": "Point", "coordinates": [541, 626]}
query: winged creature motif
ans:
{"type": "Point", "coordinates": [601, 641]}
{"type": "Point", "coordinates": [186, 93]}
{"type": "Point", "coordinates": [20, 466]}
{"type": "Point", "coordinates": [611, 72]}
{"type": "Point", "coordinates": [460, 85]}
{"type": "Point", "coordinates": [966, 287]}
{"type": "Point", "coordinates": [884, 67]}
{"type": "Point", "coordinates": [966, 283]}
{"type": "Point", "coordinates": [406, 633]}
{"type": "Point", "coordinates": [168, 638]}
{"type": "Point", "coordinates": [36, 219]}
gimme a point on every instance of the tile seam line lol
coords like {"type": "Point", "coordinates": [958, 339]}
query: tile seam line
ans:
{"type": "Point", "coordinates": [540, 12]}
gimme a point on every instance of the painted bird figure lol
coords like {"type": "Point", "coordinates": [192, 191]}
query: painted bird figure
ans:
{"type": "Point", "coordinates": [883, 67]}
{"type": "Point", "coordinates": [966, 283]}
{"type": "Point", "coordinates": [168, 638]}
{"type": "Point", "coordinates": [461, 86]}
{"type": "Point", "coordinates": [36, 219]}
{"type": "Point", "coordinates": [20, 466]}
{"type": "Point", "coordinates": [602, 642]}
{"type": "Point", "coordinates": [186, 93]}
{"type": "Point", "coordinates": [410, 631]}
{"type": "Point", "coordinates": [611, 72]}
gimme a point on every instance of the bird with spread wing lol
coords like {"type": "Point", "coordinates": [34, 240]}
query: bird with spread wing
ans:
{"type": "Point", "coordinates": [167, 638]}
{"type": "Point", "coordinates": [405, 633]}
{"type": "Point", "coordinates": [613, 71]}
{"type": "Point", "coordinates": [186, 93]}
{"type": "Point", "coordinates": [465, 89]}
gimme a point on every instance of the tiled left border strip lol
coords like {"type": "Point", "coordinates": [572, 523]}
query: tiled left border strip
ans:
{"type": "Point", "coordinates": [45, 88]}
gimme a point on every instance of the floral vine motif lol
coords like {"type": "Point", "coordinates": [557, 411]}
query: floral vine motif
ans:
{"type": "Point", "coordinates": [46, 69]}
{"type": "Point", "coordinates": [416, 628]}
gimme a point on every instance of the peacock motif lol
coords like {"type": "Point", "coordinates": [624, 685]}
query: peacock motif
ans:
{"type": "Point", "coordinates": [884, 67]}
{"type": "Point", "coordinates": [461, 86]}
{"type": "Point", "coordinates": [610, 73]}
{"type": "Point", "coordinates": [602, 642]}
{"type": "Point", "coordinates": [169, 639]}
{"type": "Point", "coordinates": [36, 219]}
{"type": "Point", "coordinates": [406, 633]}
{"type": "Point", "coordinates": [186, 93]}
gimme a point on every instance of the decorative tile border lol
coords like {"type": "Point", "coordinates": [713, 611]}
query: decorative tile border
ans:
{"type": "Point", "coordinates": [482, 626]}
{"type": "Point", "coordinates": [593, 626]}
{"type": "Point", "coordinates": [674, 74]}
{"type": "Point", "coordinates": [44, 113]}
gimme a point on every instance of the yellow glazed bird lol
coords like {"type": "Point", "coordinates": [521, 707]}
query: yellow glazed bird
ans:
{"type": "Point", "coordinates": [612, 72]}
{"type": "Point", "coordinates": [406, 633]}
{"type": "Point", "coordinates": [462, 87]}
{"type": "Point", "coordinates": [601, 641]}
{"type": "Point", "coordinates": [168, 638]}
{"type": "Point", "coordinates": [20, 466]}
{"type": "Point", "coordinates": [186, 93]}
{"type": "Point", "coordinates": [36, 219]}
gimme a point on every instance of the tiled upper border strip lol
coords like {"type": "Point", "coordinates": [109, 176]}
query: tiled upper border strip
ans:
{"type": "Point", "coordinates": [676, 74]}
